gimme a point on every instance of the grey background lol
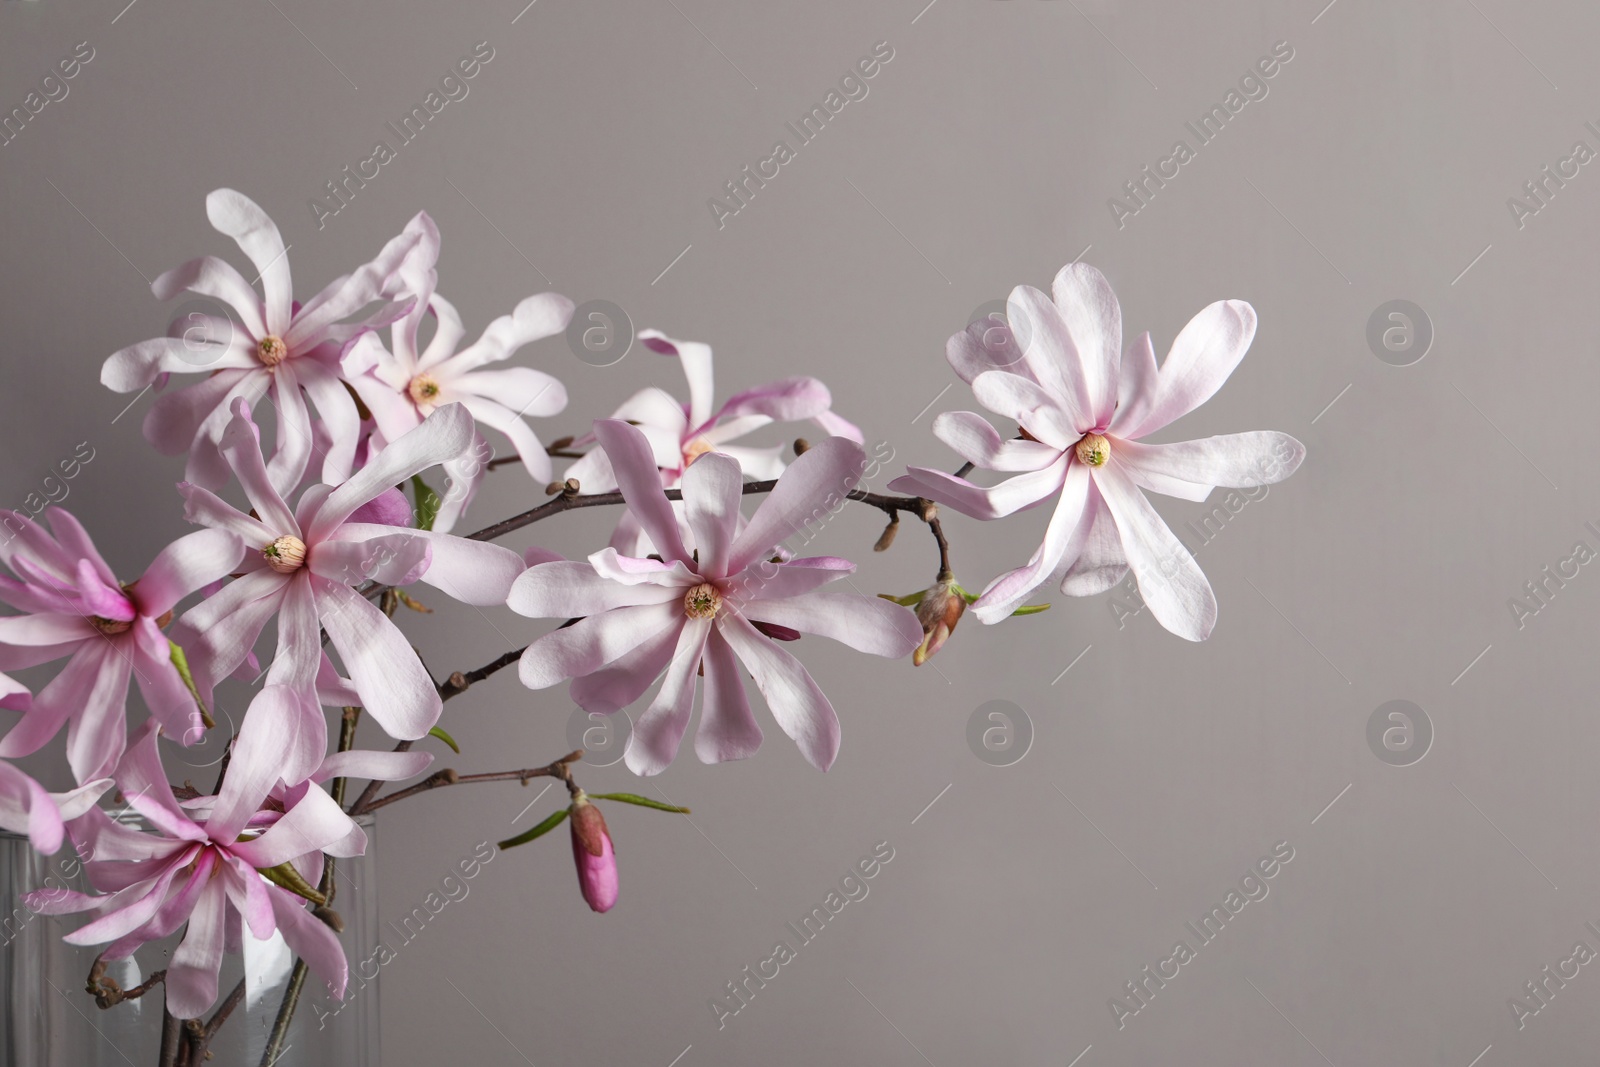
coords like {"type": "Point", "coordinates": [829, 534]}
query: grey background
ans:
{"type": "Point", "coordinates": [1377, 168]}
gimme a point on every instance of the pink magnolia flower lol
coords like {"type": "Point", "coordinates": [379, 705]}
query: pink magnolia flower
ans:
{"type": "Point", "coordinates": [403, 385]}
{"type": "Point", "coordinates": [679, 433]}
{"type": "Point", "coordinates": [301, 565]}
{"type": "Point", "coordinates": [593, 854]}
{"type": "Point", "coordinates": [202, 870]}
{"type": "Point", "coordinates": [75, 606]}
{"type": "Point", "coordinates": [280, 348]}
{"type": "Point", "coordinates": [1082, 407]}
{"type": "Point", "coordinates": [26, 808]}
{"type": "Point", "coordinates": [678, 614]}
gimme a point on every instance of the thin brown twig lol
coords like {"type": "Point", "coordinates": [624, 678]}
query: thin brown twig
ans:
{"type": "Point", "coordinates": [459, 683]}
{"type": "Point", "coordinates": [560, 768]}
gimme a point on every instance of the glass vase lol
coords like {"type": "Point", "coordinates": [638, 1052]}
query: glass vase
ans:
{"type": "Point", "coordinates": [47, 1019]}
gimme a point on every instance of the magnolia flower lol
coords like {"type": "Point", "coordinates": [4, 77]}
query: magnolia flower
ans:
{"type": "Point", "coordinates": [681, 614]}
{"type": "Point", "coordinates": [26, 808]}
{"type": "Point", "coordinates": [679, 433]}
{"type": "Point", "coordinates": [592, 852]}
{"type": "Point", "coordinates": [301, 565]}
{"type": "Point", "coordinates": [279, 348]}
{"type": "Point", "coordinates": [1082, 407]}
{"type": "Point", "coordinates": [401, 387]}
{"type": "Point", "coordinates": [201, 871]}
{"type": "Point", "coordinates": [75, 607]}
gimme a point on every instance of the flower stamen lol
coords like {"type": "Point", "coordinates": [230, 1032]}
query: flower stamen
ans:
{"type": "Point", "coordinates": [424, 390]}
{"type": "Point", "coordinates": [1093, 449]}
{"type": "Point", "coordinates": [702, 602]}
{"type": "Point", "coordinates": [285, 555]}
{"type": "Point", "coordinates": [271, 351]}
{"type": "Point", "coordinates": [695, 449]}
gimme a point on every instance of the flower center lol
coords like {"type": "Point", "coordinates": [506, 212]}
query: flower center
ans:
{"type": "Point", "coordinates": [1094, 450]}
{"type": "Point", "coordinates": [110, 627]}
{"type": "Point", "coordinates": [423, 389]}
{"type": "Point", "coordinates": [702, 602]}
{"type": "Point", "coordinates": [695, 449]}
{"type": "Point", "coordinates": [285, 555]}
{"type": "Point", "coordinates": [272, 351]}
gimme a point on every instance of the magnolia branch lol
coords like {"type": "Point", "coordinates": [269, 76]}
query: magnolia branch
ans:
{"type": "Point", "coordinates": [560, 768]}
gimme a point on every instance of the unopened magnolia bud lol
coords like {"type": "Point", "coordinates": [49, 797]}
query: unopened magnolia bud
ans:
{"type": "Point", "coordinates": [801, 445]}
{"type": "Point", "coordinates": [560, 443]}
{"type": "Point", "coordinates": [886, 538]}
{"type": "Point", "coordinates": [592, 852]}
{"type": "Point", "coordinates": [940, 608]}
{"type": "Point", "coordinates": [553, 488]}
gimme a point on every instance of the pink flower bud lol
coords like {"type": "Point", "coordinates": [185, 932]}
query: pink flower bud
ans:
{"type": "Point", "coordinates": [591, 851]}
{"type": "Point", "coordinates": [938, 611]}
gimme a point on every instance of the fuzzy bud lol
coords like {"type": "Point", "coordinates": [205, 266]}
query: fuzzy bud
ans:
{"type": "Point", "coordinates": [592, 852]}
{"type": "Point", "coordinates": [940, 608]}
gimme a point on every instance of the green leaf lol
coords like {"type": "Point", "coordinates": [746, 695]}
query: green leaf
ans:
{"type": "Point", "coordinates": [1031, 609]}
{"type": "Point", "coordinates": [181, 663]}
{"type": "Point", "coordinates": [427, 503]}
{"type": "Point", "coordinates": [538, 831]}
{"type": "Point", "coordinates": [446, 738]}
{"type": "Point", "coordinates": [643, 802]}
{"type": "Point", "coordinates": [285, 876]}
{"type": "Point", "coordinates": [910, 600]}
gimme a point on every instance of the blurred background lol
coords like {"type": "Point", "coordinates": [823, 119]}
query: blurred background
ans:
{"type": "Point", "coordinates": [1043, 859]}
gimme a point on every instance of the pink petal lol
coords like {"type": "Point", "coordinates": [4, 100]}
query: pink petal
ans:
{"type": "Point", "coordinates": [1008, 497]}
{"type": "Point", "coordinates": [97, 730]}
{"type": "Point", "coordinates": [568, 589]}
{"type": "Point", "coordinates": [74, 539]}
{"type": "Point", "coordinates": [386, 672]}
{"type": "Point", "coordinates": [816, 482]}
{"type": "Point", "coordinates": [204, 508]}
{"type": "Point", "coordinates": [1202, 357]}
{"type": "Point", "coordinates": [625, 679]}
{"type": "Point", "coordinates": [1031, 407]}
{"type": "Point", "coordinates": [866, 624]}
{"type": "Point", "coordinates": [187, 564]}
{"type": "Point", "coordinates": [310, 826]}
{"type": "Point", "coordinates": [1101, 563]}
{"type": "Point", "coordinates": [25, 808]}
{"type": "Point", "coordinates": [161, 686]}
{"type": "Point", "coordinates": [299, 652]}
{"type": "Point", "coordinates": [340, 420]}
{"type": "Point", "coordinates": [1240, 460]}
{"type": "Point", "coordinates": [695, 359]}
{"type": "Point", "coordinates": [635, 469]}
{"type": "Point", "coordinates": [977, 442]}
{"type": "Point", "coordinates": [985, 345]}
{"type": "Point", "coordinates": [727, 730]}
{"type": "Point", "coordinates": [1050, 354]}
{"type": "Point", "coordinates": [241, 446]}
{"type": "Point", "coordinates": [1005, 592]}
{"type": "Point", "coordinates": [383, 554]}
{"type": "Point", "coordinates": [388, 508]}
{"type": "Point", "coordinates": [239, 217]}
{"type": "Point", "coordinates": [1094, 321]}
{"type": "Point", "coordinates": [659, 731]}
{"type": "Point", "coordinates": [143, 781]}
{"type": "Point", "coordinates": [535, 318]}
{"type": "Point", "coordinates": [801, 709]}
{"type": "Point", "coordinates": [788, 400]}
{"type": "Point", "coordinates": [768, 580]}
{"type": "Point", "coordinates": [343, 298]}
{"type": "Point", "coordinates": [216, 278]}
{"type": "Point", "coordinates": [520, 434]}
{"type": "Point", "coordinates": [310, 938]}
{"type": "Point", "coordinates": [1136, 388]}
{"type": "Point", "coordinates": [282, 738]}
{"type": "Point", "coordinates": [441, 436]}
{"type": "Point", "coordinates": [591, 643]}
{"type": "Point", "coordinates": [296, 439]}
{"type": "Point", "coordinates": [192, 975]}
{"type": "Point", "coordinates": [377, 766]}
{"type": "Point", "coordinates": [712, 490]}
{"type": "Point", "coordinates": [1170, 581]}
